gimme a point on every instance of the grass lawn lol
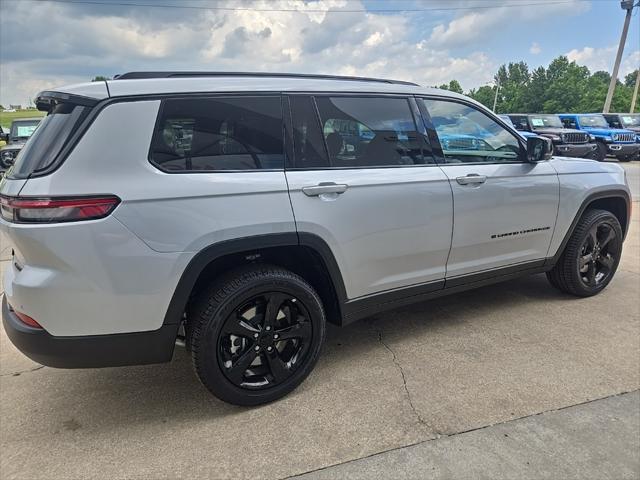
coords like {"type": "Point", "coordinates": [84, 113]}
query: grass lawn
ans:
{"type": "Point", "coordinates": [7, 117]}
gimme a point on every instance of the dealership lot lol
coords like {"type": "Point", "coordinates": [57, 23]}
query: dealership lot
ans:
{"type": "Point", "coordinates": [424, 372]}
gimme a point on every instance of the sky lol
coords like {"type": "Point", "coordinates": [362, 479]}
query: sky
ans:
{"type": "Point", "coordinates": [49, 43]}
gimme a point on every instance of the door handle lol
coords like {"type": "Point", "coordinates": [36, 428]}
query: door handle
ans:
{"type": "Point", "coordinates": [324, 187]}
{"type": "Point", "coordinates": [471, 179]}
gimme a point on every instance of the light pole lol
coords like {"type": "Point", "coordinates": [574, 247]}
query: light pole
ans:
{"type": "Point", "coordinates": [628, 6]}
{"type": "Point", "coordinates": [495, 99]}
{"type": "Point", "coordinates": [635, 92]}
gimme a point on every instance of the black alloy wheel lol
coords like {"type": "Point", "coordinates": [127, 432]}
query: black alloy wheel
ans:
{"type": "Point", "coordinates": [264, 340]}
{"type": "Point", "coordinates": [598, 255]}
{"type": "Point", "coordinates": [591, 256]}
{"type": "Point", "coordinates": [255, 334]}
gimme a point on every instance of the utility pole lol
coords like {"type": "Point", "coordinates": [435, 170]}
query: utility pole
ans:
{"type": "Point", "coordinates": [495, 99]}
{"type": "Point", "coordinates": [635, 92]}
{"type": "Point", "coordinates": [628, 6]}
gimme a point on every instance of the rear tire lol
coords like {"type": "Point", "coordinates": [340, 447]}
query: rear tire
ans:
{"type": "Point", "coordinates": [256, 334]}
{"type": "Point", "coordinates": [591, 257]}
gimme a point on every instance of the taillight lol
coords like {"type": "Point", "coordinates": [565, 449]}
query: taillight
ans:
{"type": "Point", "coordinates": [26, 319]}
{"type": "Point", "coordinates": [52, 210]}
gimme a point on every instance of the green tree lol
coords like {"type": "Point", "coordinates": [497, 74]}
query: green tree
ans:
{"type": "Point", "coordinates": [452, 86]}
{"type": "Point", "coordinates": [100, 78]}
{"type": "Point", "coordinates": [630, 79]}
{"type": "Point", "coordinates": [484, 94]}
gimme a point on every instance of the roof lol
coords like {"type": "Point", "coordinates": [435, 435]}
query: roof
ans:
{"type": "Point", "coordinates": [229, 83]}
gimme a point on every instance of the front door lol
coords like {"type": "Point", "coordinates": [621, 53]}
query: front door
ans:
{"type": "Point", "coordinates": [504, 207]}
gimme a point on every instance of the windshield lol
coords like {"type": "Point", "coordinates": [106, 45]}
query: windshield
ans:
{"type": "Point", "coordinates": [507, 120]}
{"type": "Point", "coordinates": [545, 121]}
{"type": "Point", "coordinates": [630, 120]}
{"type": "Point", "coordinates": [47, 140]}
{"type": "Point", "coordinates": [593, 121]}
{"type": "Point", "coordinates": [23, 128]}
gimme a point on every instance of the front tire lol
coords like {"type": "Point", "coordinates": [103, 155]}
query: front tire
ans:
{"type": "Point", "coordinates": [256, 334]}
{"type": "Point", "coordinates": [601, 152]}
{"type": "Point", "coordinates": [591, 257]}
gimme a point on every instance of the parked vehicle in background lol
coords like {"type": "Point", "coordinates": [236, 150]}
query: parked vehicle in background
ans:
{"type": "Point", "coordinates": [566, 141]}
{"type": "Point", "coordinates": [618, 142]}
{"type": "Point", "coordinates": [628, 121]}
{"type": "Point", "coordinates": [4, 137]}
{"type": "Point", "coordinates": [241, 223]}
{"type": "Point", "coordinates": [523, 133]}
{"type": "Point", "coordinates": [20, 131]}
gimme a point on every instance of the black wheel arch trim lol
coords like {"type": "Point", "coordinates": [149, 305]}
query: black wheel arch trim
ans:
{"type": "Point", "coordinates": [589, 199]}
{"type": "Point", "coordinates": [204, 257]}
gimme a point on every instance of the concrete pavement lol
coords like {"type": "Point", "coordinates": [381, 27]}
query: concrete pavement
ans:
{"type": "Point", "coordinates": [594, 440]}
{"type": "Point", "coordinates": [416, 374]}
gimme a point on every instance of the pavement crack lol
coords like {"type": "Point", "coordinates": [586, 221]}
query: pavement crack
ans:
{"type": "Point", "coordinates": [17, 374]}
{"type": "Point", "coordinates": [398, 365]}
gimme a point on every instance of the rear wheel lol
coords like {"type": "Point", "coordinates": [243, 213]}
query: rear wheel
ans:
{"type": "Point", "coordinates": [591, 256]}
{"type": "Point", "coordinates": [256, 334]}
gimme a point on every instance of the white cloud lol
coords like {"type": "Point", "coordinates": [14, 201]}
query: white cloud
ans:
{"type": "Point", "coordinates": [602, 59]}
{"type": "Point", "coordinates": [535, 48]}
{"type": "Point", "coordinates": [480, 25]}
{"type": "Point", "coordinates": [106, 41]}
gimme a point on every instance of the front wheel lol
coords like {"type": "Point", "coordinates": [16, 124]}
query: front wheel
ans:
{"type": "Point", "coordinates": [591, 256]}
{"type": "Point", "coordinates": [256, 334]}
{"type": "Point", "coordinates": [625, 158]}
{"type": "Point", "coordinates": [601, 152]}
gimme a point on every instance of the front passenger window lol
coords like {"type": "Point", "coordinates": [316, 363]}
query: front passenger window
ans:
{"type": "Point", "coordinates": [468, 135]}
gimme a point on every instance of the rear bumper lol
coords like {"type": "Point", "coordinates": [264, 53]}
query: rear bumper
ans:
{"type": "Point", "coordinates": [90, 351]}
{"type": "Point", "coordinates": [621, 149]}
{"type": "Point", "coordinates": [581, 150]}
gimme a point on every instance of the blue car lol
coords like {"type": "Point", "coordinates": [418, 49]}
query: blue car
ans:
{"type": "Point", "coordinates": [619, 142]}
{"type": "Point", "coordinates": [523, 133]}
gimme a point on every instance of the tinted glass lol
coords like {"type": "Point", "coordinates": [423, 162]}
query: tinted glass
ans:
{"type": "Point", "coordinates": [545, 121]}
{"type": "Point", "coordinates": [369, 132]}
{"type": "Point", "coordinates": [593, 121]}
{"type": "Point", "coordinates": [469, 136]}
{"type": "Point", "coordinates": [23, 129]}
{"type": "Point", "coordinates": [47, 139]}
{"type": "Point", "coordinates": [212, 134]}
{"type": "Point", "coordinates": [569, 122]}
{"type": "Point", "coordinates": [307, 135]}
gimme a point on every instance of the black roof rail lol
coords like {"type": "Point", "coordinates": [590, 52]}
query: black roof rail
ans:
{"type": "Point", "coordinates": [149, 75]}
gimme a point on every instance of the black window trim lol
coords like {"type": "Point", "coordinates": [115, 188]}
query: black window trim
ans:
{"type": "Point", "coordinates": [212, 96]}
{"type": "Point", "coordinates": [408, 97]}
{"type": "Point", "coordinates": [430, 126]}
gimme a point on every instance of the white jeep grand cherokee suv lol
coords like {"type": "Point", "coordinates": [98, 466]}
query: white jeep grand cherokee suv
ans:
{"type": "Point", "coordinates": [241, 212]}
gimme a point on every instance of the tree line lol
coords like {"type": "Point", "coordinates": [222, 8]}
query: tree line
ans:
{"type": "Point", "coordinates": [563, 86]}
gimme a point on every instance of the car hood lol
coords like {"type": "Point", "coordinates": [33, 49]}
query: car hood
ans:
{"type": "Point", "coordinates": [555, 131]}
{"type": "Point", "coordinates": [13, 146]}
{"type": "Point", "coordinates": [605, 131]}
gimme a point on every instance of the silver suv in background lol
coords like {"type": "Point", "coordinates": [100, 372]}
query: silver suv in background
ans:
{"type": "Point", "coordinates": [20, 131]}
{"type": "Point", "coordinates": [239, 213]}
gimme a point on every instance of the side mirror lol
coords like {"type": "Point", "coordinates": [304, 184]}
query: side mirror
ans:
{"type": "Point", "coordinates": [5, 137]}
{"type": "Point", "coordinates": [538, 149]}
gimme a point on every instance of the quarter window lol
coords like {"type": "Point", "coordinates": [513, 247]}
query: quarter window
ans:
{"type": "Point", "coordinates": [369, 132]}
{"type": "Point", "coordinates": [467, 135]}
{"type": "Point", "coordinates": [307, 135]}
{"type": "Point", "coordinates": [212, 134]}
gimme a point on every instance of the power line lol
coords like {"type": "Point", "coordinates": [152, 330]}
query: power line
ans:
{"type": "Point", "coordinates": [360, 10]}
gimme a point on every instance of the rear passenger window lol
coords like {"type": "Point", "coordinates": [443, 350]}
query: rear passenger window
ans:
{"type": "Point", "coordinates": [213, 134]}
{"type": "Point", "coordinates": [369, 132]}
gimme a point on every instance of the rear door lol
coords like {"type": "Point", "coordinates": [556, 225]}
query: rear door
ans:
{"type": "Point", "coordinates": [504, 207]}
{"type": "Point", "coordinates": [365, 182]}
